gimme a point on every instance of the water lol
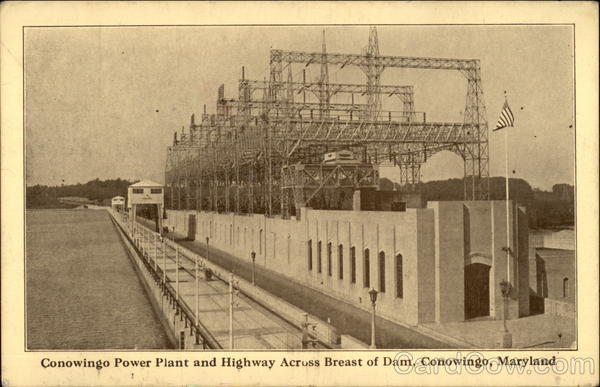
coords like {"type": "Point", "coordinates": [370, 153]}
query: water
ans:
{"type": "Point", "coordinates": [82, 290]}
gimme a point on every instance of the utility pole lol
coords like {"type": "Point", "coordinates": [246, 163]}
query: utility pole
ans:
{"type": "Point", "coordinates": [197, 291]}
{"type": "Point", "coordinates": [177, 272]}
{"type": "Point", "coordinates": [232, 293]}
{"type": "Point", "coordinates": [373, 295]}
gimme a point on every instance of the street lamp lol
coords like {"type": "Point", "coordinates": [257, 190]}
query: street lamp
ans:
{"type": "Point", "coordinates": [373, 295]}
{"type": "Point", "coordinates": [505, 288]}
{"type": "Point", "coordinates": [253, 264]}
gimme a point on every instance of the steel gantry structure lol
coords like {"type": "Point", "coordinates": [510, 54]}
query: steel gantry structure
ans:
{"type": "Point", "coordinates": [262, 152]}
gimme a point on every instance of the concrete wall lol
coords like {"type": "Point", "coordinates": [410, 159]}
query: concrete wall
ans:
{"type": "Point", "coordinates": [450, 242]}
{"type": "Point", "coordinates": [558, 265]}
{"type": "Point", "coordinates": [434, 244]}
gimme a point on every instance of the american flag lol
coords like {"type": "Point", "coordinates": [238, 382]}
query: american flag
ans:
{"type": "Point", "coordinates": [507, 119]}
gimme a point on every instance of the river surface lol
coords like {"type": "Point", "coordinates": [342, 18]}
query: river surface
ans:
{"type": "Point", "coordinates": [82, 290]}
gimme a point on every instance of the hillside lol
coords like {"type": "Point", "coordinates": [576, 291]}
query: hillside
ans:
{"type": "Point", "coordinates": [546, 209]}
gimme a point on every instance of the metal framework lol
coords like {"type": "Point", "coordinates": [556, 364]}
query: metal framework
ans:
{"type": "Point", "coordinates": [262, 151]}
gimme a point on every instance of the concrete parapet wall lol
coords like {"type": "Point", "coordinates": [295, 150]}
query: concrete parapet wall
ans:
{"type": "Point", "coordinates": [349, 342]}
{"type": "Point", "coordinates": [416, 257]}
{"type": "Point", "coordinates": [559, 308]}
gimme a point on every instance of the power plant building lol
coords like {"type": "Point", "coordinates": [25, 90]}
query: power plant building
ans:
{"type": "Point", "coordinates": [289, 170]}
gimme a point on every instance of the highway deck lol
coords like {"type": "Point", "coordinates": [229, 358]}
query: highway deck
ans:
{"type": "Point", "coordinates": [347, 318]}
{"type": "Point", "coordinates": [254, 326]}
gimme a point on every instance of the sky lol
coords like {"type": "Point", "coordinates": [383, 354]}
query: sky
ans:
{"type": "Point", "coordinates": [103, 102]}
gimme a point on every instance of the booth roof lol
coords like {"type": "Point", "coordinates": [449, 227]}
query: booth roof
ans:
{"type": "Point", "coordinates": [146, 183]}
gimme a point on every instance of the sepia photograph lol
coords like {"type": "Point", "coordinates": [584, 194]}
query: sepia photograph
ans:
{"type": "Point", "coordinates": [286, 187]}
{"type": "Point", "coordinates": [299, 193]}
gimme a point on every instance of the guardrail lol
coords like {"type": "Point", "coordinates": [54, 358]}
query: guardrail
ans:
{"type": "Point", "coordinates": [322, 331]}
{"type": "Point", "coordinates": [159, 276]}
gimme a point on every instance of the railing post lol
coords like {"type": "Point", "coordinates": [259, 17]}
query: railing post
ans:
{"type": "Point", "coordinates": [230, 310]}
{"type": "Point", "coordinates": [197, 292]}
{"type": "Point", "coordinates": [177, 272]}
{"type": "Point", "coordinates": [164, 251]}
{"type": "Point", "coordinates": [155, 251]}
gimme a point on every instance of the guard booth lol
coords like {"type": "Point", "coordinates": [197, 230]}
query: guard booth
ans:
{"type": "Point", "coordinates": [148, 194]}
{"type": "Point", "coordinates": [118, 203]}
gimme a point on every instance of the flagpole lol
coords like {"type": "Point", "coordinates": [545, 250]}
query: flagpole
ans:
{"type": "Point", "coordinates": [507, 208]}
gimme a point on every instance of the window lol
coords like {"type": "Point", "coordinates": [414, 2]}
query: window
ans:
{"type": "Point", "coordinates": [138, 190]}
{"type": "Point", "coordinates": [353, 265]}
{"type": "Point", "coordinates": [341, 262]}
{"type": "Point", "coordinates": [319, 256]}
{"type": "Point", "coordinates": [367, 269]}
{"type": "Point", "coordinates": [309, 253]}
{"type": "Point", "coordinates": [156, 190]}
{"type": "Point", "coordinates": [382, 272]}
{"type": "Point", "coordinates": [329, 273]}
{"type": "Point", "coordinates": [565, 287]}
{"type": "Point", "coordinates": [399, 278]}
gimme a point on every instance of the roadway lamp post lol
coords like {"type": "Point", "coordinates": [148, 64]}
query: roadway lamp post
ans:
{"type": "Point", "coordinates": [505, 288]}
{"type": "Point", "coordinates": [253, 254]}
{"type": "Point", "coordinates": [373, 295]}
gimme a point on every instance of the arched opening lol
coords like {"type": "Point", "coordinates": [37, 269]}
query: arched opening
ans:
{"type": "Point", "coordinates": [399, 277]}
{"type": "Point", "coordinates": [329, 269]}
{"type": "Point", "coordinates": [565, 287]}
{"type": "Point", "coordinates": [366, 269]}
{"type": "Point", "coordinates": [340, 261]}
{"type": "Point", "coordinates": [309, 253]}
{"type": "Point", "coordinates": [381, 272]}
{"type": "Point", "coordinates": [442, 166]}
{"type": "Point", "coordinates": [260, 240]}
{"type": "Point", "coordinates": [353, 265]}
{"type": "Point", "coordinates": [319, 257]}
{"type": "Point", "coordinates": [477, 290]}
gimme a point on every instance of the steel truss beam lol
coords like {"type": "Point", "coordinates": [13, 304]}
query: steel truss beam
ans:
{"type": "Point", "coordinates": [246, 157]}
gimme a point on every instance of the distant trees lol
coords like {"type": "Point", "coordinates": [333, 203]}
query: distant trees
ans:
{"type": "Point", "coordinates": [546, 209]}
{"type": "Point", "coordinates": [41, 196]}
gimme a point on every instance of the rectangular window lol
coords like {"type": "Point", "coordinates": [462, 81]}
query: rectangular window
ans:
{"type": "Point", "coordinates": [367, 270]}
{"type": "Point", "coordinates": [309, 253]}
{"type": "Point", "coordinates": [329, 271]}
{"type": "Point", "coordinates": [353, 265]}
{"type": "Point", "coordinates": [341, 262]}
{"type": "Point", "coordinates": [399, 278]}
{"type": "Point", "coordinates": [319, 257]}
{"type": "Point", "coordinates": [156, 190]}
{"type": "Point", "coordinates": [382, 272]}
{"type": "Point", "coordinates": [138, 190]}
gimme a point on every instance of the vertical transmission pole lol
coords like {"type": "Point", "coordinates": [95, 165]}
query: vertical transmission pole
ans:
{"type": "Point", "coordinates": [475, 148]}
{"type": "Point", "coordinates": [324, 83]}
{"type": "Point", "coordinates": [373, 72]}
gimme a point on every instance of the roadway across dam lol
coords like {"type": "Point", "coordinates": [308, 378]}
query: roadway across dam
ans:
{"type": "Point", "coordinates": [347, 319]}
{"type": "Point", "coordinates": [254, 326]}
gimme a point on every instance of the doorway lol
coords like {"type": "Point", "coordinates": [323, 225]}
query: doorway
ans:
{"type": "Point", "coordinates": [477, 290]}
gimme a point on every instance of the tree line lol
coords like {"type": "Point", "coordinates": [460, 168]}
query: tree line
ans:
{"type": "Point", "coordinates": [546, 209]}
{"type": "Point", "coordinates": [42, 196]}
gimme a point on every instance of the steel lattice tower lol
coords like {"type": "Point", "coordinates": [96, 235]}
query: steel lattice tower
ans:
{"type": "Point", "coordinates": [262, 151]}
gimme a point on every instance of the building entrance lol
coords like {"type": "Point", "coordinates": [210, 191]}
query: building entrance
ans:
{"type": "Point", "coordinates": [477, 290]}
